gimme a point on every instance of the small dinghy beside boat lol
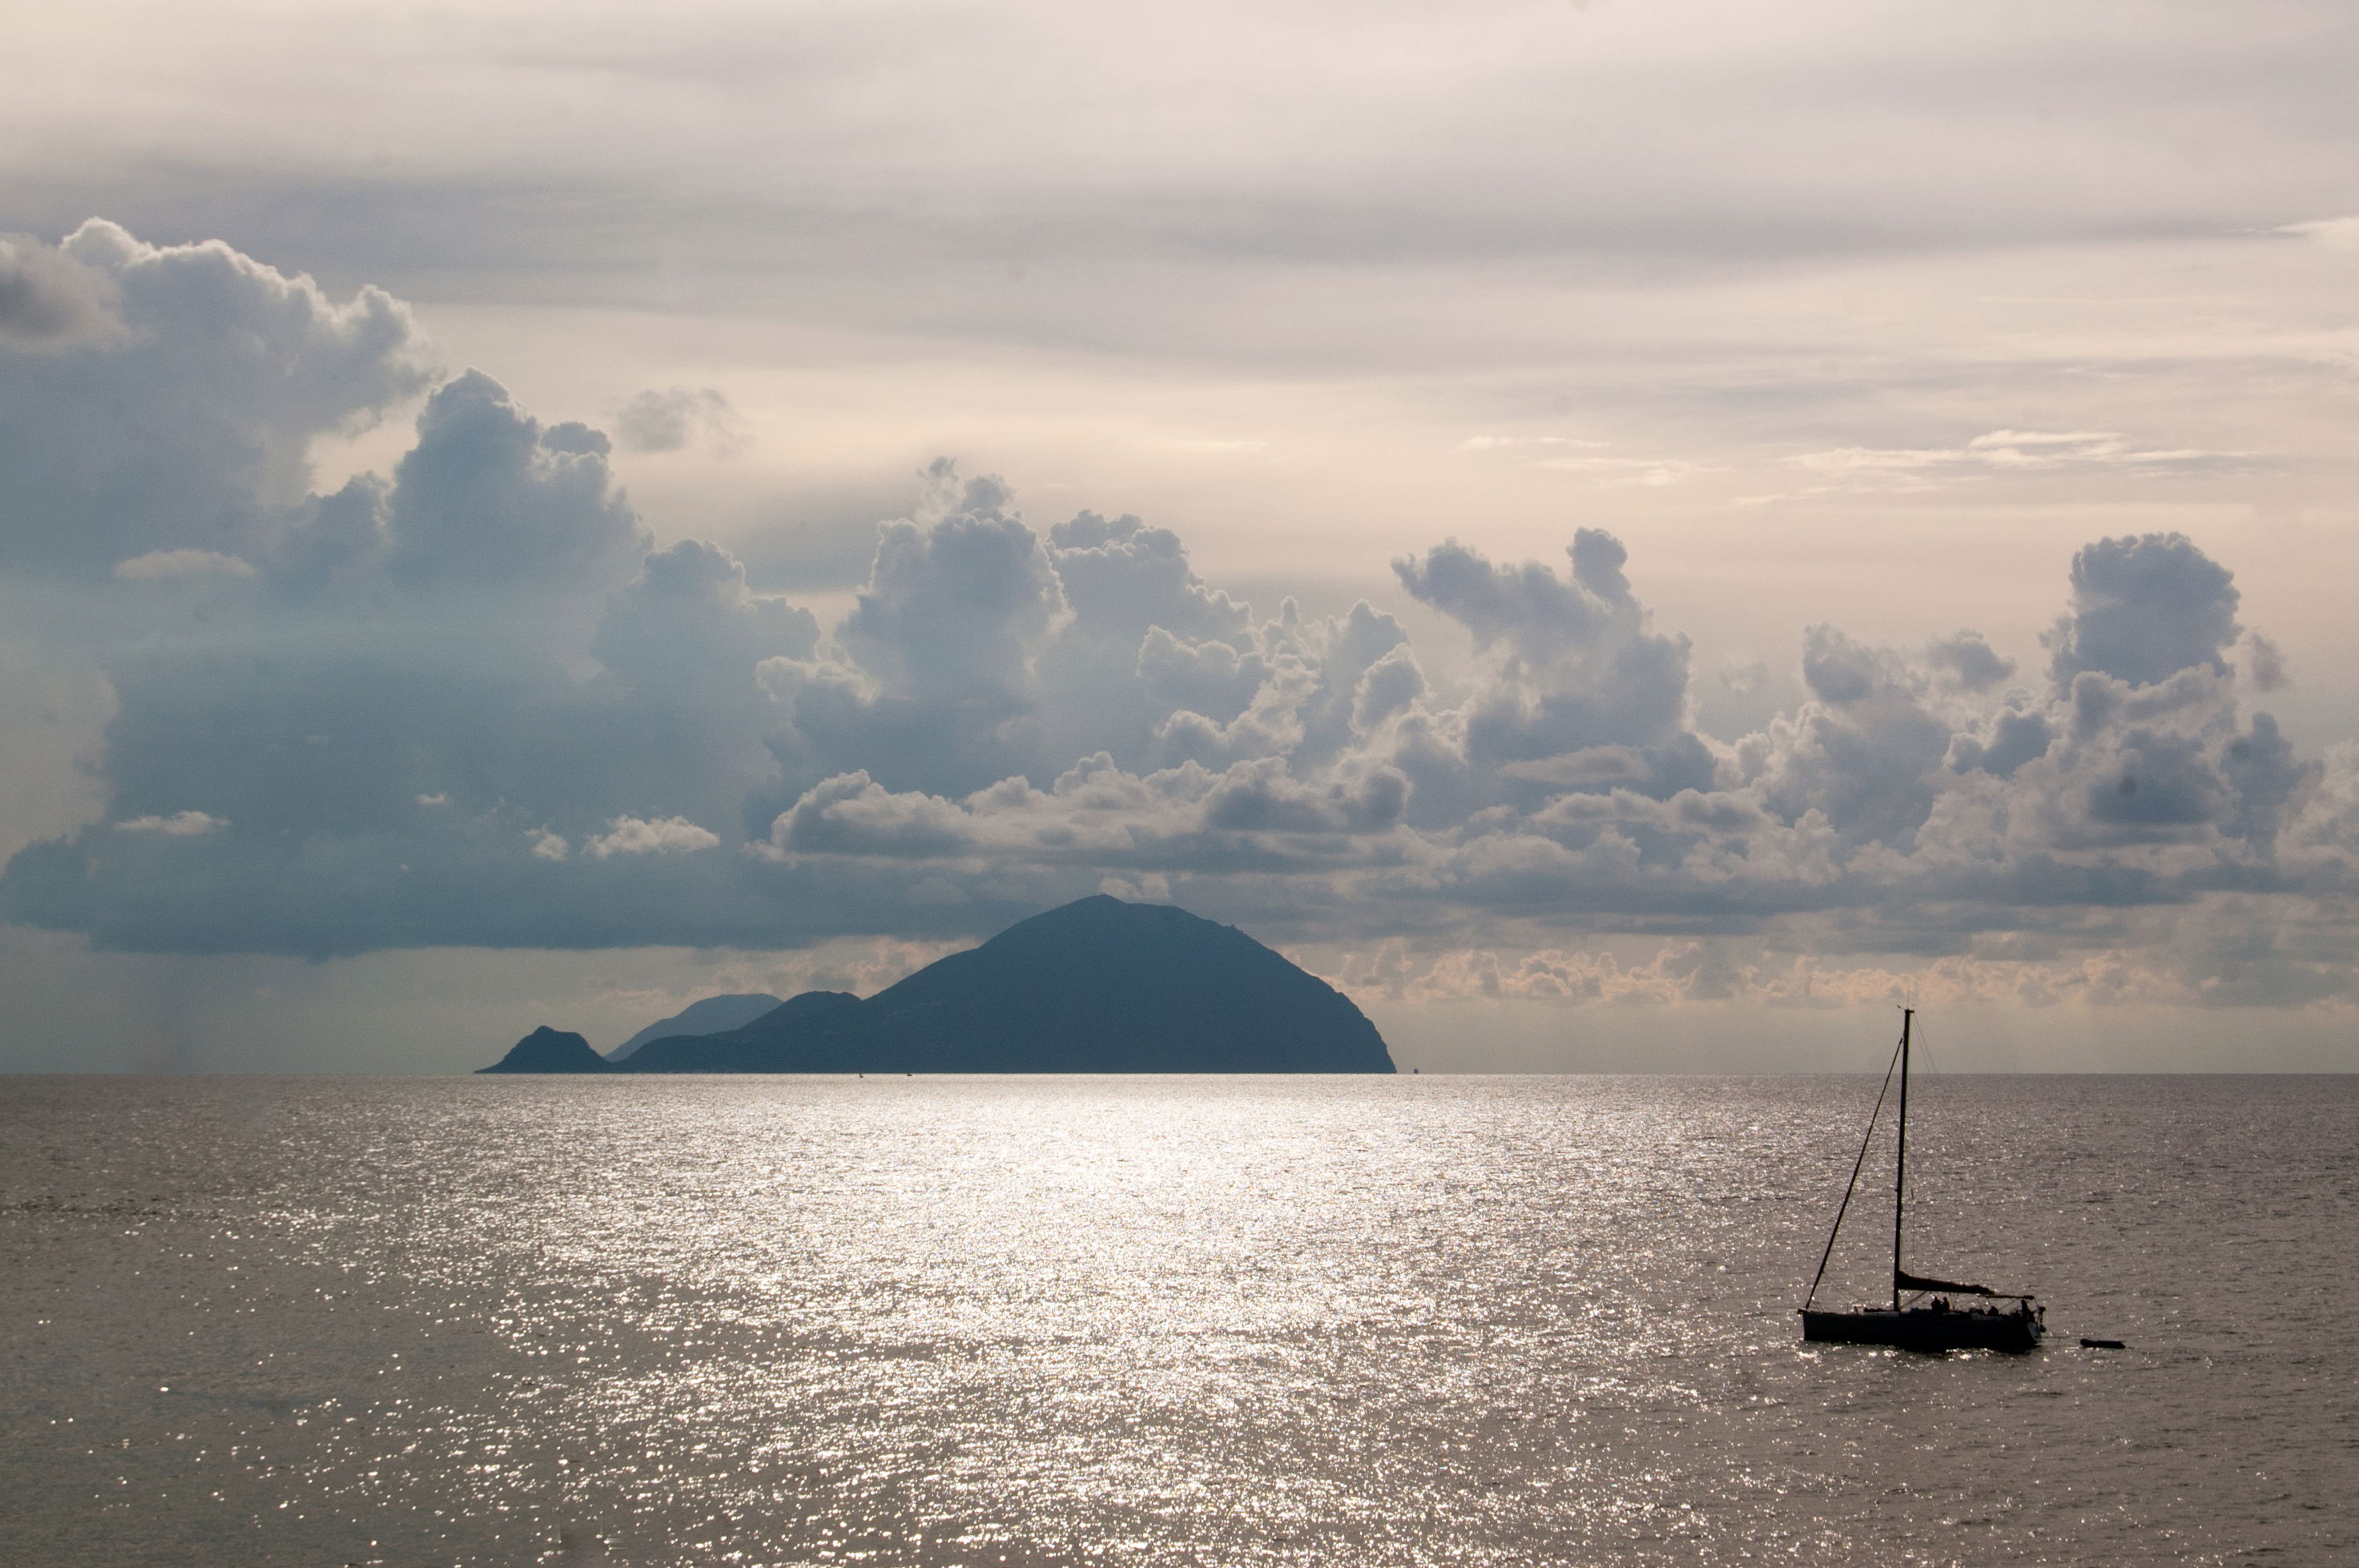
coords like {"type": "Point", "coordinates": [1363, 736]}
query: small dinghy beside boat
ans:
{"type": "Point", "coordinates": [1924, 1314]}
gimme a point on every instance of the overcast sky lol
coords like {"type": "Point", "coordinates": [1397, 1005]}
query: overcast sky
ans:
{"type": "Point", "coordinates": [1620, 534]}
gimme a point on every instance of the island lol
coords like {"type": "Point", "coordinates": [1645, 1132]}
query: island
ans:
{"type": "Point", "coordinates": [1097, 986]}
{"type": "Point", "coordinates": [546, 1050]}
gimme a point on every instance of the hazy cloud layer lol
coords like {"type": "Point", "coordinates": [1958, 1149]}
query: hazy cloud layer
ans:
{"type": "Point", "coordinates": [476, 702]}
{"type": "Point", "coordinates": [913, 137]}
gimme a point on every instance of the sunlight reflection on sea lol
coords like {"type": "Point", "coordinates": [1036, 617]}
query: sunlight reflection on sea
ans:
{"type": "Point", "coordinates": [1154, 1321]}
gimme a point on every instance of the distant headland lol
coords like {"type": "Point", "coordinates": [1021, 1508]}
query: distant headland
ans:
{"type": "Point", "coordinates": [1097, 986]}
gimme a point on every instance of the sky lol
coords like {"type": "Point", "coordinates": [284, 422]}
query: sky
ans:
{"type": "Point", "coordinates": [1624, 535]}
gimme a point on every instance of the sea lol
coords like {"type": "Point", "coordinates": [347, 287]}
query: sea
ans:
{"type": "Point", "coordinates": [1416, 1320]}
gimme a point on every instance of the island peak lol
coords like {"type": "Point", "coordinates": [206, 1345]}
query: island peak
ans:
{"type": "Point", "coordinates": [1098, 985]}
{"type": "Point", "coordinates": [546, 1050]}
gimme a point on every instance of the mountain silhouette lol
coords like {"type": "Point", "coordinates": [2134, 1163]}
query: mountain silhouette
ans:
{"type": "Point", "coordinates": [1098, 986]}
{"type": "Point", "coordinates": [546, 1050]}
{"type": "Point", "coordinates": [711, 1016]}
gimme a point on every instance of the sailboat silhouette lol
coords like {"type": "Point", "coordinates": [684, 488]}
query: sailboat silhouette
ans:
{"type": "Point", "coordinates": [1922, 1315]}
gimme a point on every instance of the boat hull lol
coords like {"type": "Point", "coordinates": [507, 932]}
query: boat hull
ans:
{"type": "Point", "coordinates": [1922, 1328]}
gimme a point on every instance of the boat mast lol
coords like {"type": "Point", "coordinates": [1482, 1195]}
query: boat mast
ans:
{"type": "Point", "coordinates": [1901, 1157]}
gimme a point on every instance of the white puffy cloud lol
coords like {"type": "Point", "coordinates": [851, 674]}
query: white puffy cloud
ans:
{"type": "Point", "coordinates": [474, 702]}
{"type": "Point", "coordinates": [666, 836]}
{"type": "Point", "coordinates": [1123, 578]}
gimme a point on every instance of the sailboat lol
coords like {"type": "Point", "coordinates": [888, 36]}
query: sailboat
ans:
{"type": "Point", "coordinates": [1924, 1314]}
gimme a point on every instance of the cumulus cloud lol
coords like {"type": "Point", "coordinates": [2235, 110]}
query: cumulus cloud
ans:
{"type": "Point", "coordinates": [188, 428]}
{"type": "Point", "coordinates": [2143, 609]}
{"type": "Point", "coordinates": [958, 606]}
{"type": "Point", "coordinates": [476, 701]}
{"type": "Point", "coordinates": [1968, 661]}
{"type": "Point", "coordinates": [49, 300]}
{"type": "Point", "coordinates": [489, 497]}
{"type": "Point", "coordinates": [1572, 664]}
{"type": "Point", "coordinates": [669, 835]}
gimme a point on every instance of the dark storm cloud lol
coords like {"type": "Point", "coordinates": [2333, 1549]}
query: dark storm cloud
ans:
{"type": "Point", "coordinates": [476, 704]}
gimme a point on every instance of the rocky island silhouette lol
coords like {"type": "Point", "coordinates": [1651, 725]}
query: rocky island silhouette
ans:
{"type": "Point", "coordinates": [1097, 986]}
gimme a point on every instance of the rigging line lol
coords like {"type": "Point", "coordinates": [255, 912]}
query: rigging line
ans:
{"type": "Point", "coordinates": [1850, 1186]}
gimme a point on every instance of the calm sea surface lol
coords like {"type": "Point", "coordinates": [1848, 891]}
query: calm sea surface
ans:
{"type": "Point", "coordinates": [1159, 1321]}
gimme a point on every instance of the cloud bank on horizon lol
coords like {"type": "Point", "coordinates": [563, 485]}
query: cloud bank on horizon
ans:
{"type": "Point", "coordinates": [477, 703]}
